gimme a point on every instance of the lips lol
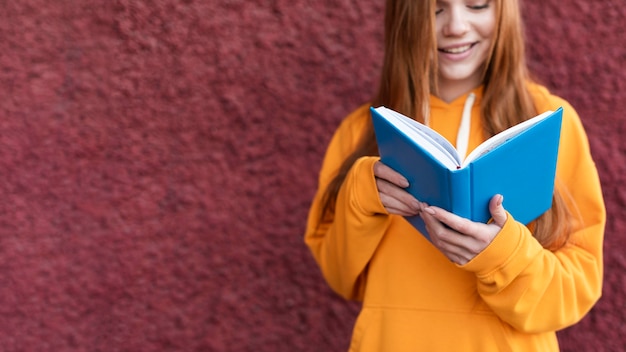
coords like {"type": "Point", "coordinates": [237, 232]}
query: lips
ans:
{"type": "Point", "coordinates": [457, 49]}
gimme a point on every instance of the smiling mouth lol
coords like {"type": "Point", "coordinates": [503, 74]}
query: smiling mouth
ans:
{"type": "Point", "coordinates": [458, 49]}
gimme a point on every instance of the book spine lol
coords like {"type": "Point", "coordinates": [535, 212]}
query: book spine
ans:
{"type": "Point", "coordinates": [460, 193]}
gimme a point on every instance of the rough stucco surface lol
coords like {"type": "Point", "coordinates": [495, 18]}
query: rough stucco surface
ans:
{"type": "Point", "coordinates": [158, 159]}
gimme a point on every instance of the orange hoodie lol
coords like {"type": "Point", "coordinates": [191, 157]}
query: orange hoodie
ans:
{"type": "Point", "coordinates": [513, 296]}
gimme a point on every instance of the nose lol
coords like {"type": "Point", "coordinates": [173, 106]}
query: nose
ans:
{"type": "Point", "coordinates": [456, 22]}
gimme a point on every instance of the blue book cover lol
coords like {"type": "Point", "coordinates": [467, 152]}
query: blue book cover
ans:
{"type": "Point", "coordinates": [519, 163]}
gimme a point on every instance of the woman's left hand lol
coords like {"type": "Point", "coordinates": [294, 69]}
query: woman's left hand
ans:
{"type": "Point", "coordinates": [461, 239]}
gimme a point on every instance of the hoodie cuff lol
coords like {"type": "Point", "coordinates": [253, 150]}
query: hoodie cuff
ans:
{"type": "Point", "coordinates": [507, 254]}
{"type": "Point", "coordinates": [366, 192]}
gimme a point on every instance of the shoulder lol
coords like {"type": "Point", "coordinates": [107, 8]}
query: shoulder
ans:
{"type": "Point", "coordinates": [344, 142]}
{"type": "Point", "coordinates": [345, 139]}
{"type": "Point", "coordinates": [352, 127]}
{"type": "Point", "coordinates": [357, 119]}
{"type": "Point", "coordinates": [574, 143]}
{"type": "Point", "coordinates": [545, 100]}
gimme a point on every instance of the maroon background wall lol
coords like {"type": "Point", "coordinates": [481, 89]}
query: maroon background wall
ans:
{"type": "Point", "coordinates": [157, 159]}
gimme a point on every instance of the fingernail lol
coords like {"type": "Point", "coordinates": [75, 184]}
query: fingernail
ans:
{"type": "Point", "coordinates": [430, 211]}
{"type": "Point", "coordinates": [500, 200]}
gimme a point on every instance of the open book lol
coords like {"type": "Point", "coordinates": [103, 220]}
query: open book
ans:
{"type": "Point", "coordinates": [519, 163]}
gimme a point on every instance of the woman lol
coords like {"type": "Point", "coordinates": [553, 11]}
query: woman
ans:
{"type": "Point", "coordinates": [501, 286]}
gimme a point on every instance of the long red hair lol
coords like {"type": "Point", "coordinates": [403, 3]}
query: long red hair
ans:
{"type": "Point", "coordinates": [409, 77]}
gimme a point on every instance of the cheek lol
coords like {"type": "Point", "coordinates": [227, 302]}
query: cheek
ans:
{"type": "Point", "coordinates": [438, 32]}
{"type": "Point", "coordinates": [487, 29]}
{"type": "Point", "coordinates": [488, 25]}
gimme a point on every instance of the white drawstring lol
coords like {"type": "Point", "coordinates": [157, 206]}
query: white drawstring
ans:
{"type": "Point", "coordinates": [462, 137]}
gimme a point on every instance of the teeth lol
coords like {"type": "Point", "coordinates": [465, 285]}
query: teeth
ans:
{"type": "Point", "coordinates": [458, 50]}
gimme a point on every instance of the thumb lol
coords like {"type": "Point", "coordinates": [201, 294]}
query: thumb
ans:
{"type": "Point", "coordinates": [497, 210]}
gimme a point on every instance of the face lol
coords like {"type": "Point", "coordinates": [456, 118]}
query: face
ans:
{"type": "Point", "coordinates": [465, 31]}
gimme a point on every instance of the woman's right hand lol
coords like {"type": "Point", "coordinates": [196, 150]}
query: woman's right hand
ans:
{"type": "Point", "coordinates": [391, 190]}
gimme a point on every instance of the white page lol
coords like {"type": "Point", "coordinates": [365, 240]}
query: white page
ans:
{"type": "Point", "coordinates": [494, 141]}
{"type": "Point", "coordinates": [438, 139]}
{"type": "Point", "coordinates": [432, 142]}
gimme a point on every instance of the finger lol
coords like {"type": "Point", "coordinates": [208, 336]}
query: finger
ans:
{"type": "Point", "coordinates": [394, 206]}
{"type": "Point", "coordinates": [397, 195]}
{"type": "Point", "coordinates": [437, 230]}
{"type": "Point", "coordinates": [401, 212]}
{"type": "Point", "coordinates": [458, 254]}
{"type": "Point", "coordinates": [448, 241]}
{"type": "Point", "coordinates": [432, 224]}
{"type": "Point", "coordinates": [471, 237]}
{"type": "Point", "coordinates": [455, 222]}
{"type": "Point", "coordinates": [384, 172]}
{"type": "Point", "coordinates": [498, 213]}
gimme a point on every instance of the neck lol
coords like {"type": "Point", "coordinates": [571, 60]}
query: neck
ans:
{"type": "Point", "coordinates": [449, 90]}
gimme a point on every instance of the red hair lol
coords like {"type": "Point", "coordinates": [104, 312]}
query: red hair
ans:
{"type": "Point", "coordinates": [410, 56]}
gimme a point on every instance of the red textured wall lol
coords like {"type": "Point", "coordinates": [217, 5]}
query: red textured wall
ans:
{"type": "Point", "coordinates": [157, 160]}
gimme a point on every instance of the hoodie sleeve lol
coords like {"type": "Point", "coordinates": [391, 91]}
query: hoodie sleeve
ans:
{"type": "Point", "coordinates": [532, 288]}
{"type": "Point", "coordinates": [343, 244]}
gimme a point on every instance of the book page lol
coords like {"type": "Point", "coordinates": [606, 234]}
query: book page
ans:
{"type": "Point", "coordinates": [502, 137]}
{"type": "Point", "coordinates": [429, 139]}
